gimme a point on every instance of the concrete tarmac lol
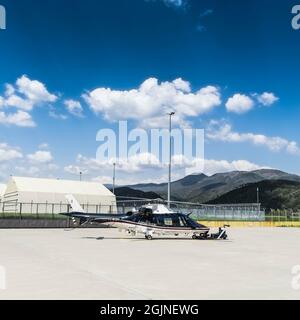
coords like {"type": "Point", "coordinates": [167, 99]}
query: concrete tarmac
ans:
{"type": "Point", "coordinates": [255, 263]}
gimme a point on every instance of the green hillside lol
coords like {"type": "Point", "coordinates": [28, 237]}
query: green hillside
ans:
{"type": "Point", "coordinates": [273, 194]}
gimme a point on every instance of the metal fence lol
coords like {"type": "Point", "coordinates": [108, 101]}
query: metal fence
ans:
{"type": "Point", "coordinates": [12, 209]}
{"type": "Point", "coordinates": [224, 212]}
{"type": "Point", "coordinates": [228, 212]}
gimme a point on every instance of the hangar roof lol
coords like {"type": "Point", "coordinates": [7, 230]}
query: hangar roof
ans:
{"type": "Point", "coordinates": [26, 184]}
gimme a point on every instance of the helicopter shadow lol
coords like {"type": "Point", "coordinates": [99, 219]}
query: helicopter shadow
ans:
{"type": "Point", "coordinates": [155, 239]}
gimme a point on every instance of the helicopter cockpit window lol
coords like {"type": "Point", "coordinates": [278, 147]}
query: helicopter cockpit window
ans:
{"type": "Point", "coordinates": [182, 222]}
{"type": "Point", "coordinates": [178, 221]}
{"type": "Point", "coordinates": [192, 223]}
{"type": "Point", "coordinates": [145, 211]}
{"type": "Point", "coordinates": [168, 222]}
{"type": "Point", "coordinates": [159, 220]}
{"type": "Point", "coordinates": [175, 221]}
{"type": "Point", "coordinates": [144, 219]}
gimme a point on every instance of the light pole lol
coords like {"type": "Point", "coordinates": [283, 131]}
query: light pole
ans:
{"type": "Point", "coordinates": [114, 177]}
{"type": "Point", "coordinates": [171, 114]}
{"type": "Point", "coordinates": [258, 201]}
{"type": "Point", "coordinates": [80, 176]}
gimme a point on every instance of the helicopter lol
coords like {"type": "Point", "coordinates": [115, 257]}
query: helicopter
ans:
{"type": "Point", "coordinates": [152, 220]}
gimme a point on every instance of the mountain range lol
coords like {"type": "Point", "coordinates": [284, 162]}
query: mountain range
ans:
{"type": "Point", "coordinates": [203, 189]}
{"type": "Point", "coordinates": [133, 193]}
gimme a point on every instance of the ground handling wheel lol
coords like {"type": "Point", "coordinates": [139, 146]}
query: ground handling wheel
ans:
{"type": "Point", "coordinates": [149, 237]}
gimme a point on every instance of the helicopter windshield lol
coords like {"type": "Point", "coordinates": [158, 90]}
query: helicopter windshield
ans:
{"type": "Point", "coordinates": [164, 220]}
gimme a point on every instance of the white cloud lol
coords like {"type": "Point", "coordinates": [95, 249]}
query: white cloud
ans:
{"type": "Point", "coordinates": [9, 90]}
{"type": "Point", "coordinates": [211, 167]}
{"type": "Point", "coordinates": [177, 3]}
{"type": "Point", "coordinates": [24, 95]}
{"type": "Point", "coordinates": [19, 118]}
{"type": "Point", "coordinates": [55, 115]}
{"type": "Point", "coordinates": [162, 122]}
{"type": "Point", "coordinates": [152, 100]}
{"type": "Point", "coordinates": [223, 132]}
{"type": "Point", "coordinates": [40, 157]}
{"type": "Point", "coordinates": [34, 90]}
{"type": "Point", "coordinates": [74, 107]}
{"type": "Point", "coordinates": [13, 161]}
{"type": "Point", "coordinates": [136, 163]}
{"type": "Point", "coordinates": [218, 166]}
{"type": "Point", "coordinates": [239, 103]}
{"type": "Point", "coordinates": [27, 93]}
{"type": "Point", "coordinates": [52, 167]}
{"type": "Point", "coordinates": [131, 180]}
{"type": "Point", "coordinates": [206, 13]}
{"type": "Point", "coordinates": [38, 170]}
{"type": "Point", "coordinates": [182, 85]}
{"type": "Point", "coordinates": [18, 102]}
{"type": "Point", "coordinates": [137, 168]}
{"type": "Point", "coordinates": [200, 28]}
{"type": "Point", "coordinates": [8, 153]}
{"type": "Point", "coordinates": [109, 180]}
{"type": "Point", "coordinates": [27, 170]}
{"type": "Point", "coordinates": [267, 98]}
{"type": "Point", "coordinates": [174, 3]}
{"type": "Point", "coordinates": [4, 172]}
{"type": "Point", "coordinates": [1, 102]}
{"type": "Point", "coordinates": [75, 170]}
{"type": "Point", "coordinates": [146, 168]}
{"type": "Point", "coordinates": [43, 146]}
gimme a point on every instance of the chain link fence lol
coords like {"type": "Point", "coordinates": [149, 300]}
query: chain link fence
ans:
{"type": "Point", "coordinates": [46, 210]}
{"type": "Point", "coordinates": [230, 212]}
{"type": "Point", "coordinates": [226, 212]}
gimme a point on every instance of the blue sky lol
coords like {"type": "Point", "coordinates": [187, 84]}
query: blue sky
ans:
{"type": "Point", "coordinates": [62, 58]}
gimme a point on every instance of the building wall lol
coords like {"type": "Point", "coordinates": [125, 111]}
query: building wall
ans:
{"type": "Point", "coordinates": [57, 203]}
{"type": "Point", "coordinates": [43, 197]}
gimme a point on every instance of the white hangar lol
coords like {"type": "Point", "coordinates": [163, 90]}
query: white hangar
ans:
{"type": "Point", "coordinates": [48, 195]}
